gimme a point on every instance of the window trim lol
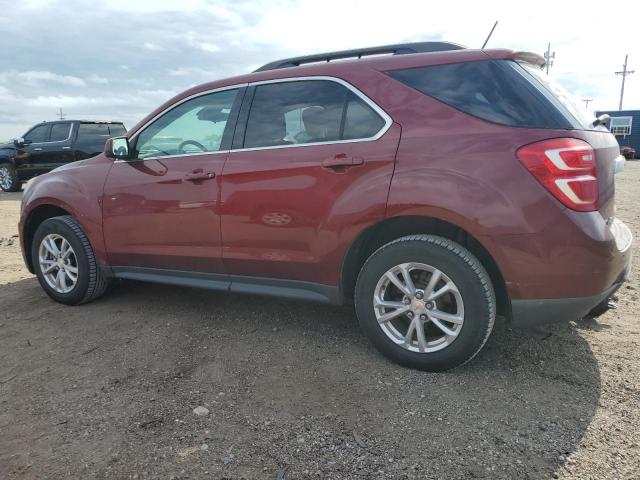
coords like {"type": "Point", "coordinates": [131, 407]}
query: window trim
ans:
{"type": "Point", "coordinates": [388, 121]}
{"type": "Point", "coordinates": [49, 125]}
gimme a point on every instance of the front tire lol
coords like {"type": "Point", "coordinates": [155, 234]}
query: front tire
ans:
{"type": "Point", "coordinates": [425, 302]}
{"type": "Point", "coordinates": [9, 181]}
{"type": "Point", "coordinates": [64, 262]}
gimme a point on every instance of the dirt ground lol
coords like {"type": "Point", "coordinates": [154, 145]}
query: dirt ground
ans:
{"type": "Point", "coordinates": [295, 391]}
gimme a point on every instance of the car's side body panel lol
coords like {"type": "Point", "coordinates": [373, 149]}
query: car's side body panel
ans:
{"type": "Point", "coordinates": [76, 188]}
{"type": "Point", "coordinates": [285, 215]}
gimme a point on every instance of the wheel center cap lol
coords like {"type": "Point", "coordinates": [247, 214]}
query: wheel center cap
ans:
{"type": "Point", "coordinates": [418, 305]}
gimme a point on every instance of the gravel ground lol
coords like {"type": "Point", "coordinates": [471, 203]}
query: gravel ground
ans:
{"type": "Point", "coordinates": [293, 390]}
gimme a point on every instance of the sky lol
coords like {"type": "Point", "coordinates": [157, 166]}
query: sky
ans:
{"type": "Point", "coordinates": [120, 59]}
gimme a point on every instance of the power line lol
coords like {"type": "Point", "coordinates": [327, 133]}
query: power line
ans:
{"type": "Point", "coordinates": [624, 74]}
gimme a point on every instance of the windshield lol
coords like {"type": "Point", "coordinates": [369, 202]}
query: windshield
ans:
{"type": "Point", "coordinates": [568, 101]}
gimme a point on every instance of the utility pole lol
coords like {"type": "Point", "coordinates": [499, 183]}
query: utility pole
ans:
{"type": "Point", "coordinates": [61, 114]}
{"type": "Point", "coordinates": [586, 102]}
{"type": "Point", "coordinates": [549, 57]}
{"type": "Point", "coordinates": [624, 74]}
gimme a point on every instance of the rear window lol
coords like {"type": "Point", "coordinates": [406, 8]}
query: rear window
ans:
{"type": "Point", "coordinates": [116, 129]}
{"type": "Point", "coordinates": [500, 91]}
{"type": "Point", "coordinates": [94, 130]}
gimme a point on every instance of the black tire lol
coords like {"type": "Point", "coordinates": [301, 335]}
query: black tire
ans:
{"type": "Point", "coordinates": [9, 180]}
{"type": "Point", "coordinates": [462, 267]}
{"type": "Point", "coordinates": [91, 280]}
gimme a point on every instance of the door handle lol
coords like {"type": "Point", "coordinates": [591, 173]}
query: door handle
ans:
{"type": "Point", "coordinates": [198, 175]}
{"type": "Point", "coordinates": [342, 160]}
{"type": "Point", "coordinates": [66, 148]}
{"type": "Point", "coordinates": [37, 149]}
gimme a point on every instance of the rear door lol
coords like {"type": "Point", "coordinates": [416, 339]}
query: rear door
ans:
{"type": "Point", "coordinates": [311, 165]}
{"type": "Point", "coordinates": [58, 150]}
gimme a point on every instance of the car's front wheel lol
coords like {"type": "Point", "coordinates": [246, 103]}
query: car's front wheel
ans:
{"type": "Point", "coordinates": [9, 181]}
{"type": "Point", "coordinates": [426, 302]}
{"type": "Point", "coordinates": [65, 263]}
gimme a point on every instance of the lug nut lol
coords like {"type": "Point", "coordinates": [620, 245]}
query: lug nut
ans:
{"type": "Point", "coordinates": [406, 300]}
{"type": "Point", "coordinates": [419, 294]}
{"type": "Point", "coordinates": [423, 317]}
{"type": "Point", "coordinates": [410, 314]}
{"type": "Point", "coordinates": [429, 305]}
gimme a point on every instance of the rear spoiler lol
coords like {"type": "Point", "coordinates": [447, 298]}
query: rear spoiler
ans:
{"type": "Point", "coordinates": [531, 58]}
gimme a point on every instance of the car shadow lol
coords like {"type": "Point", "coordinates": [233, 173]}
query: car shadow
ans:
{"type": "Point", "coordinates": [110, 387]}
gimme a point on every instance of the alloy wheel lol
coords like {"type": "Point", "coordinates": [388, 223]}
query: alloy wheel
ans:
{"type": "Point", "coordinates": [418, 307]}
{"type": "Point", "coordinates": [58, 263]}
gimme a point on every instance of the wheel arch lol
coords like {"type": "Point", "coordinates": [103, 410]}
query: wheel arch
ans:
{"type": "Point", "coordinates": [38, 215]}
{"type": "Point", "coordinates": [389, 229]}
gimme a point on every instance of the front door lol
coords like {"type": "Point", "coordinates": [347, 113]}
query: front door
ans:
{"type": "Point", "coordinates": [31, 158]}
{"type": "Point", "coordinates": [161, 208]}
{"type": "Point", "coordinates": [312, 166]}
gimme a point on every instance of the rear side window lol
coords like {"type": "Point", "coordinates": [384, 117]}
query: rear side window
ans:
{"type": "Point", "coordinates": [309, 111]}
{"type": "Point", "coordinates": [116, 129]}
{"type": "Point", "coordinates": [59, 132]}
{"type": "Point", "coordinates": [499, 91]}
{"type": "Point", "coordinates": [360, 121]}
{"type": "Point", "coordinates": [94, 130]}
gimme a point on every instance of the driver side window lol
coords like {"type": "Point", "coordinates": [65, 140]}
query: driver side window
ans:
{"type": "Point", "coordinates": [195, 126]}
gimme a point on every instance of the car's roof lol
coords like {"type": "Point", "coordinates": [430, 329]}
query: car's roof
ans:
{"type": "Point", "coordinates": [80, 121]}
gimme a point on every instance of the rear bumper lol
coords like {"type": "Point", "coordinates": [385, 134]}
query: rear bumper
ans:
{"type": "Point", "coordinates": [529, 312]}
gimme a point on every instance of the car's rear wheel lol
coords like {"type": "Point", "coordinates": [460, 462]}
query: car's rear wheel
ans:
{"type": "Point", "coordinates": [65, 263]}
{"type": "Point", "coordinates": [426, 302]}
{"type": "Point", "coordinates": [9, 181]}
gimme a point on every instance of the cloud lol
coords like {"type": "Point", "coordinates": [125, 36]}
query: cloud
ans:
{"type": "Point", "coordinates": [110, 56]}
{"type": "Point", "coordinates": [35, 78]}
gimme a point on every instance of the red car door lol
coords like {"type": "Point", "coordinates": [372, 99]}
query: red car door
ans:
{"type": "Point", "coordinates": [161, 208]}
{"type": "Point", "coordinates": [313, 168]}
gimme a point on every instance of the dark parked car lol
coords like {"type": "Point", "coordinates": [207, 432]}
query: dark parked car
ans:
{"type": "Point", "coordinates": [52, 144]}
{"type": "Point", "coordinates": [434, 187]}
{"type": "Point", "coordinates": [628, 152]}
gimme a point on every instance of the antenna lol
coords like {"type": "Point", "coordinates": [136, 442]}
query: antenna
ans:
{"type": "Point", "coordinates": [61, 114]}
{"type": "Point", "coordinates": [624, 74]}
{"type": "Point", "coordinates": [586, 102]}
{"type": "Point", "coordinates": [490, 33]}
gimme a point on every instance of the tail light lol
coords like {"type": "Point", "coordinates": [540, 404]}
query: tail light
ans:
{"type": "Point", "coordinates": [567, 168]}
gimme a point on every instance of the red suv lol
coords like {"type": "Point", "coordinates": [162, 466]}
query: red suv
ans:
{"type": "Point", "coordinates": [435, 187]}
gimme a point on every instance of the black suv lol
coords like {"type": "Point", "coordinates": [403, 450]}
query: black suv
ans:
{"type": "Point", "coordinates": [51, 144]}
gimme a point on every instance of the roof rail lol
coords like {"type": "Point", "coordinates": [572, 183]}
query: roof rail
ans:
{"type": "Point", "coordinates": [397, 49]}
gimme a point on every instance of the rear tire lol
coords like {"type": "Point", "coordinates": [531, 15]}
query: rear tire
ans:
{"type": "Point", "coordinates": [65, 263]}
{"type": "Point", "coordinates": [9, 181]}
{"type": "Point", "coordinates": [449, 316]}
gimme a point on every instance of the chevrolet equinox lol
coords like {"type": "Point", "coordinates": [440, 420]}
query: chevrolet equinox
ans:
{"type": "Point", "coordinates": [432, 186]}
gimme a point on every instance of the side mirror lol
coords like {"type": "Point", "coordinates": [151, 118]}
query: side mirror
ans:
{"type": "Point", "coordinates": [117, 148]}
{"type": "Point", "coordinates": [19, 142]}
